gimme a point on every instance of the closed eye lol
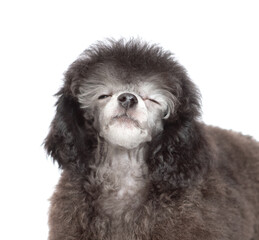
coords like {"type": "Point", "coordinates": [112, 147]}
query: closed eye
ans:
{"type": "Point", "coordinates": [151, 100]}
{"type": "Point", "coordinates": [103, 96]}
{"type": "Point", "coordinates": [154, 101]}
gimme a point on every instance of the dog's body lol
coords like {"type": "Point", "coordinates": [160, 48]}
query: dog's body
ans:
{"type": "Point", "coordinates": [137, 164]}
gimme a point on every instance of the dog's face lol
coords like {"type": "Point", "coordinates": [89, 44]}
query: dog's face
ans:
{"type": "Point", "coordinates": [126, 113]}
{"type": "Point", "coordinates": [126, 94]}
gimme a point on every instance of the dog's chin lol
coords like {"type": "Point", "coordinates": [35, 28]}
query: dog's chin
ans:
{"type": "Point", "coordinates": [125, 133]}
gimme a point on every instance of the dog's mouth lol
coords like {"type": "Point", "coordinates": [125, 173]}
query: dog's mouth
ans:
{"type": "Point", "coordinates": [125, 120]}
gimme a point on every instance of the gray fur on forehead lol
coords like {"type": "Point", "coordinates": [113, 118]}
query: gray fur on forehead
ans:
{"type": "Point", "coordinates": [132, 55]}
{"type": "Point", "coordinates": [126, 60]}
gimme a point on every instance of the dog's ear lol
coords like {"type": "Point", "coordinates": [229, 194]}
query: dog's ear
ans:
{"type": "Point", "coordinates": [71, 137]}
{"type": "Point", "coordinates": [179, 155]}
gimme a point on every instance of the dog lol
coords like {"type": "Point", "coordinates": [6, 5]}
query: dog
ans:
{"type": "Point", "coordinates": [137, 162]}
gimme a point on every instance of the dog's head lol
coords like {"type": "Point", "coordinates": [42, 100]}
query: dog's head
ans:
{"type": "Point", "coordinates": [128, 94]}
{"type": "Point", "coordinates": [127, 109]}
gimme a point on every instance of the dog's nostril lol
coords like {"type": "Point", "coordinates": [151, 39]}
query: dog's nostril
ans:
{"type": "Point", "coordinates": [127, 100]}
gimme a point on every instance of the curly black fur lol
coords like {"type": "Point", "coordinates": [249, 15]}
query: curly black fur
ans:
{"type": "Point", "coordinates": [202, 182]}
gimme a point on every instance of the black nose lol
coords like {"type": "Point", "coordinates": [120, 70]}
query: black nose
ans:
{"type": "Point", "coordinates": [127, 100]}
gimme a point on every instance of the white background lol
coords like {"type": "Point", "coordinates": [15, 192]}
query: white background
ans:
{"type": "Point", "coordinates": [217, 41]}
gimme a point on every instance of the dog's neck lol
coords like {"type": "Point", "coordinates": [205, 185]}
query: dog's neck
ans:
{"type": "Point", "coordinates": [112, 154]}
{"type": "Point", "coordinates": [124, 176]}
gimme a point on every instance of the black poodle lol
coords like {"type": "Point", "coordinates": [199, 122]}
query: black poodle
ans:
{"type": "Point", "coordinates": [137, 162]}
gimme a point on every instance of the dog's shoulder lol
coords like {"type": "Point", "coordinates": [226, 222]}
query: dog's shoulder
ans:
{"type": "Point", "coordinates": [229, 140]}
{"type": "Point", "coordinates": [236, 156]}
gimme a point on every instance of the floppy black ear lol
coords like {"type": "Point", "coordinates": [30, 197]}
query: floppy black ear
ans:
{"type": "Point", "coordinates": [179, 157]}
{"type": "Point", "coordinates": [71, 138]}
{"type": "Point", "coordinates": [180, 154]}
